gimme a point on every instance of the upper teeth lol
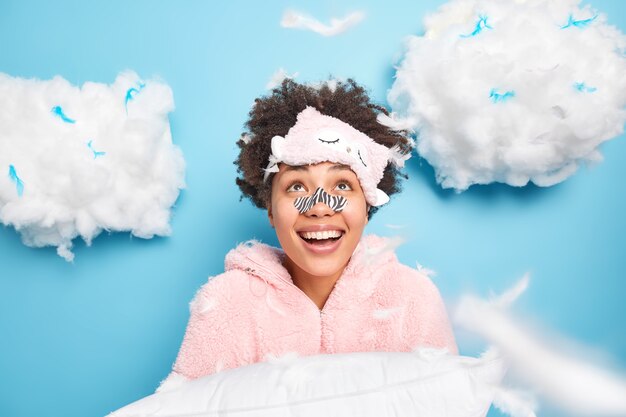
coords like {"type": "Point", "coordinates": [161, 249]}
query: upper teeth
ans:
{"type": "Point", "coordinates": [321, 235]}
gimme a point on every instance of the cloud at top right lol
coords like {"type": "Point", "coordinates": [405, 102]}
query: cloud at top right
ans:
{"type": "Point", "coordinates": [511, 91]}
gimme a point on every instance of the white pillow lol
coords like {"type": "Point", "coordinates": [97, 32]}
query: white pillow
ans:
{"type": "Point", "coordinates": [424, 383]}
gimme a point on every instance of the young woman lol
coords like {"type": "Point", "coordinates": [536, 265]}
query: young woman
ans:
{"type": "Point", "coordinates": [319, 162]}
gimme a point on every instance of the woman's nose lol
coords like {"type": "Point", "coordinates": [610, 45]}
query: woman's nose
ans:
{"type": "Point", "coordinates": [320, 209]}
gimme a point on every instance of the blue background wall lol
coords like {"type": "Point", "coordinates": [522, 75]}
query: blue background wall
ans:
{"type": "Point", "coordinates": [86, 338]}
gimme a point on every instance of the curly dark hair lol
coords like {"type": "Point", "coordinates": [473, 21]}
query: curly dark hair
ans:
{"type": "Point", "coordinates": [276, 113]}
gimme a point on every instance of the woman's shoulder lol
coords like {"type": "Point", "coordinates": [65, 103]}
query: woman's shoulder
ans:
{"type": "Point", "coordinates": [403, 285]}
{"type": "Point", "coordinates": [413, 278]}
{"type": "Point", "coordinates": [219, 288]}
{"type": "Point", "coordinates": [240, 261]}
{"type": "Point", "coordinates": [395, 274]}
{"type": "Point", "coordinates": [248, 254]}
{"type": "Point", "coordinates": [247, 266]}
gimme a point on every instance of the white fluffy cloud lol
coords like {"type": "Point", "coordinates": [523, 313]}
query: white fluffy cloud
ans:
{"type": "Point", "coordinates": [511, 91]}
{"type": "Point", "coordinates": [75, 161]}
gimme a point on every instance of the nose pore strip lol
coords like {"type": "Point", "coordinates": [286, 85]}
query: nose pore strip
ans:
{"type": "Point", "coordinates": [336, 203]}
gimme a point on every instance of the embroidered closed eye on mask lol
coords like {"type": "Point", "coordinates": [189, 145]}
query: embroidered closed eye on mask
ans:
{"type": "Point", "coordinates": [306, 203]}
{"type": "Point", "coordinates": [317, 138]}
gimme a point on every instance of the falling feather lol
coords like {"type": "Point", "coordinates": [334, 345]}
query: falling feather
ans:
{"type": "Point", "coordinates": [278, 77]}
{"type": "Point", "coordinates": [393, 122]}
{"type": "Point", "coordinates": [569, 383]}
{"type": "Point", "coordinates": [390, 245]}
{"type": "Point", "coordinates": [516, 403]}
{"type": "Point", "coordinates": [426, 271]}
{"type": "Point", "coordinates": [296, 20]}
{"type": "Point", "coordinates": [397, 156]}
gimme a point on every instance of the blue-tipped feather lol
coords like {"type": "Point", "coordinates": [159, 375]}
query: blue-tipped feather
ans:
{"type": "Point", "coordinates": [497, 97]}
{"type": "Point", "coordinates": [58, 111]}
{"type": "Point", "coordinates": [95, 153]}
{"type": "Point", "coordinates": [19, 185]}
{"type": "Point", "coordinates": [578, 23]}
{"type": "Point", "coordinates": [131, 93]}
{"type": "Point", "coordinates": [584, 88]}
{"type": "Point", "coordinates": [480, 25]}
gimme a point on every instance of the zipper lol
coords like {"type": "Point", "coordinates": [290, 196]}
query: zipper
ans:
{"type": "Point", "coordinates": [291, 285]}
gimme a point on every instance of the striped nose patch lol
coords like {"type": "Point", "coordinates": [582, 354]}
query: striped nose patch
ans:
{"type": "Point", "coordinates": [336, 203]}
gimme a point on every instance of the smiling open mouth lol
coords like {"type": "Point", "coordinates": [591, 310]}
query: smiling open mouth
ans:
{"type": "Point", "coordinates": [321, 238]}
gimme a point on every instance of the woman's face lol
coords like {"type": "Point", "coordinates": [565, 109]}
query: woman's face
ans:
{"type": "Point", "coordinates": [319, 241]}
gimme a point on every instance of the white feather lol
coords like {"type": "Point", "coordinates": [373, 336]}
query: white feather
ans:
{"type": "Point", "coordinates": [569, 383]}
{"type": "Point", "coordinates": [278, 77]}
{"type": "Point", "coordinates": [296, 20]}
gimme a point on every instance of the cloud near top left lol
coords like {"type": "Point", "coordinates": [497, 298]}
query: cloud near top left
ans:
{"type": "Point", "coordinates": [75, 161]}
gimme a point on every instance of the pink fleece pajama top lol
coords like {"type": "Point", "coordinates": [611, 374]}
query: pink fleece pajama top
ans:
{"type": "Point", "coordinates": [254, 311]}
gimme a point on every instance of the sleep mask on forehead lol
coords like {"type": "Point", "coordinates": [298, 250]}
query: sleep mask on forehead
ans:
{"type": "Point", "coordinates": [319, 138]}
